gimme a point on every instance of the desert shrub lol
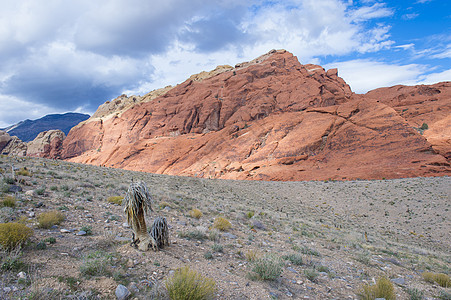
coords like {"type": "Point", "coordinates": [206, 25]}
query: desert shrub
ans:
{"type": "Point", "coordinates": [190, 285]}
{"type": "Point", "coordinates": [295, 259]}
{"type": "Point", "coordinates": [193, 235]}
{"type": "Point", "coordinates": [50, 240]}
{"type": "Point", "coordinates": [382, 289]}
{"type": "Point", "coordinates": [195, 213]}
{"type": "Point", "coordinates": [444, 295]}
{"type": "Point", "coordinates": [9, 180]}
{"type": "Point", "coordinates": [213, 235]}
{"type": "Point", "coordinates": [13, 235]}
{"type": "Point", "coordinates": [222, 224]}
{"type": "Point", "coordinates": [40, 191]}
{"type": "Point", "coordinates": [311, 275]}
{"type": "Point", "coordinates": [440, 278]}
{"type": "Point", "coordinates": [424, 126]}
{"type": "Point", "coordinates": [308, 251]}
{"type": "Point", "coordinates": [23, 172]}
{"type": "Point", "coordinates": [115, 200]}
{"type": "Point", "coordinates": [253, 255]}
{"type": "Point", "coordinates": [8, 201]}
{"type": "Point", "coordinates": [11, 260]}
{"type": "Point", "coordinates": [208, 255]}
{"type": "Point", "coordinates": [164, 204]}
{"type": "Point", "coordinates": [217, 248]}
{"type": "Point", "coordinates": [268, 267]}
{"type": "Point", "coordinates": [250, 214]}
{"type": "Point", "coordinates": [97, 263]}
{"type": "Point", "coordinates": [48, 219]}
{"type": "Point", "coordinates": [87, 229]}
{"type": "Point", "coordinates": [54, 188]}
{"type": "Point", "coordinates": [415, 294]}
{"type": "Point", "coordinates": [41, 245]}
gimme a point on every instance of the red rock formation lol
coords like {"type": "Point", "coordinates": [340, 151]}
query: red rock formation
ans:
{"type": "Point", "coordinates": [269, 119]}
{"type": "Point", "coordinates": [47, 144]}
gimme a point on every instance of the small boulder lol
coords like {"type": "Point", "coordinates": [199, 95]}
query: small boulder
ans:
{"type": "Point", "coordinates": [122, 292]}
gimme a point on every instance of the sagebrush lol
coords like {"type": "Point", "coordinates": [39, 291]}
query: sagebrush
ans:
{"type": "Point", "coordinates": [187, 284]}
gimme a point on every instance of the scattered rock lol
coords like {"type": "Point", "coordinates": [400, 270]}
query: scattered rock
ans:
{"type": "Point", "coordinates": [81, 233]}
{"type": "Point", "coordinates": [229, 235]}
{"type": "Point", "coordinates": [15, 189]}
{"type": "Point", "coordinates": [22, 275]}
{"type": "Point", "coordinates": [32, 214]}
{"type": "Point", "coordinates": [259, 225]}
{"type": "Point", "coordinates": [122, 292]}
{"type": "Point", "coordinates": [29, 193]}
{"type": "Point", "coordinates": [399, 281]}
{"type": "Point", "coordinates": [125, 225]}
{"type": "Point", "coordinates": [63, 230]}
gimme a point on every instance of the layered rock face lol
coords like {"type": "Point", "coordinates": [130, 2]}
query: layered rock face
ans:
{"type": "Point", "coordinates": [268, 119]}
{"type": "Point", "coordinates": [47, 144]}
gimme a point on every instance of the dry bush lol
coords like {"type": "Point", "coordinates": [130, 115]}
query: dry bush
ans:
{"type": "Point", "coordinates": [23, 172]}
{"type": "Point", "coordinates": [382, 289]}
{"type": "Point", "coordinates": [115, 200]}
{"type": "Point", "coordinates": [48, 219]}
{"type": "Point", "coordinates": [222, 224]}
{"type": "Point", "coordinates": [195, 213]}
{"type": "Point", "coordinates": [440, 278]}
{"type": "Point", "coordinates": [13, 235]}
{"type": "Point", "coordinates": [188, 284]}
{"type": "Point", "coordinates": [253, 255]}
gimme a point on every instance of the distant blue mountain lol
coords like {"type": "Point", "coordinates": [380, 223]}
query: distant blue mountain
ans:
{"type": "Point", "coordinates": [27, 130]}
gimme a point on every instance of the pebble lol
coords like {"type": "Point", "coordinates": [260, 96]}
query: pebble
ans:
{"type": "Point", "coordinates": [81, 233]}
{"type": "Point", "coordinates": [40, 204]}
{"type": "Point", "coordinates": [122, 292]}
{"type": "Point", "coordinates": [22, 275]}
{"type": "Point", "coordinates": [63, 230]}
{"type": "Point", "coordinates": [7, 289]}
{"type": "Point", "coordinates": [292, 270]}
{"type": "Point", "coordinates": [259, 225]}
{"type": "Point", "coordinates": [32, 214]}
{"type": "Point", "coordinates": [29, 193]}
{"type": "Point", "coordinates": [125, 225]}
{"type": "Point", "coordinates": [15, 189]}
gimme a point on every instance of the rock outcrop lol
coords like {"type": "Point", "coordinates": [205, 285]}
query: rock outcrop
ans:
{"type": "Point", "coordinates": [268, 119]}
{"type": "Point", "coordinates": [4, 139]}
{"type": "Point", "coordinates": [14, 147]}
{"type": "Point", "coordinates": [47, 144]}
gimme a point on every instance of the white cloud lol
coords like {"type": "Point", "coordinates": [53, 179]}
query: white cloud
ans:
{"type": "Point", "coordinates": [435, 77]}
{"type": "Point", "coordinates": [365, 74]}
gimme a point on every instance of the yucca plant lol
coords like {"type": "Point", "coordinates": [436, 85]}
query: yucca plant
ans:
{"type": "Point", "coordinates": [136, 203]}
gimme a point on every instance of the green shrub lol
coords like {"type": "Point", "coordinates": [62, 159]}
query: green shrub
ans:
{"type": "Point", "coordinates": [97, 264]}
{"type": "Point", "coordinates": [217, 248]}
{"type": "Point", "coordinates": [115, 200]}
{"type": "Point", "coordinates": [424, 126]}
{"type": "Point", "coordinates": [250, 214]}
{"type": "Point", "coordinates": [48, 219]}
{"type": "Point", "coordinates": [208, 255]}
{"type": "Point", "coordinates": [11, 261]}
{"type": "Point", "coordinates": [195, 213]}
{"type": "Point", "coordinates": [268, 267]}
{"type": "Point", "coordinates": [13, 235]}
{"type": "Point", "coordinates": [295, 259]}
{"type": "Point", "coordinates": [54, 188]}
{"type": "Point", "coordinates": [8, 201]}
{"type": "Point", "coordinates": [41, 245]}
{"type": "Point", "coordinates": [187, 284]}
{"type": "Point", "coordinates": [382, 289]}
{"type": "Point", "coordinates": [87, 229]}
{"type": "Point", "coordinates": [415, 294]}
{"type": "Point", "coordinates": [222, 224]}
{"type": "Point", "coordinates": [9, 180]}
{"type": "Point", "coordinates": [50, 240]}
{"type": "Point", "coordinates": [311, 275]}
{"type": "Point", "coordinates": [40, 191]}
{"type": "Point", "coordinates": [193, 235]}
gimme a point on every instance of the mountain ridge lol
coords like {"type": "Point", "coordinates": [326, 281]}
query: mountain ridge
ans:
{"type": "Point", "coordinates": [269, 119]}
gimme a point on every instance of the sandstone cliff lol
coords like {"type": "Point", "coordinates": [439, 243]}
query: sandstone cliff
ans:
{"type": "Point", "coordinates": [271, 119]}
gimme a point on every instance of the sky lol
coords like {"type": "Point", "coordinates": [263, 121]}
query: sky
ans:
{"type": "Point", "coordinates": [58, 56]}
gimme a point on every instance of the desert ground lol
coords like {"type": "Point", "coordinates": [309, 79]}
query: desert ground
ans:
{"type": "Point", "coordinates": [329, 238]}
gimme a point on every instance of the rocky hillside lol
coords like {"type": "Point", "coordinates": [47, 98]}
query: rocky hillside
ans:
{"type": "Point", "coordinates": [28, 130]}
{"type": "Point", "coordinates": [271, 119]}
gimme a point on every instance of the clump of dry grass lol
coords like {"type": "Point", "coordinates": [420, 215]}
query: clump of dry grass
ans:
{"type": "Point", "coordinates": [13, 235]}
{"type": "Point", "coordinates": [268, 267]}
{"type": "Point", "coordinates": [23, 172]}
{"type": "Point", "coordinates": [440, 278]}
{"type": "Point", "coordinates": [188, 284]}
{"type": "Point", "coordinates": [382, 289]}
{"type": "Point", "coordinates": [253, 255]}
{"type": "Point", "coordinates": [195, 213]}
{"type": "Point", "coordinates": [115, 200]}
{"type": "Point", "coordinates": [222, 224]}
{"type": "Point", "coordinates": [48, 219]}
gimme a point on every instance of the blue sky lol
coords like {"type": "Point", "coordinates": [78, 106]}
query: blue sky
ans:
{"type": "Point", "coordinates": [58, 56]}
